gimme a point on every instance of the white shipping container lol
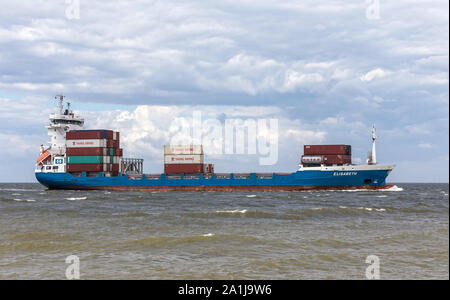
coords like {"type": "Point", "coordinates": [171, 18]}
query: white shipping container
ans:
{"type": "Point", "coordinates": [183, 149]}
{"type": "Point", "coordinates": [312, 159]}
{"type": "Point", "coordinates": [86, 143]}
{"type": "Point", "coordinates": [183, 159]}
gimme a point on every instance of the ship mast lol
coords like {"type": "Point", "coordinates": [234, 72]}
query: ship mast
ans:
{"type": "Point", "coordinates": [373, 158]}
{"type": "Point", "coordinates": [60, 105]}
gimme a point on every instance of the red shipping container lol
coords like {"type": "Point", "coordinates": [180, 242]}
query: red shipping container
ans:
{"type": "Point", "coordinates": [327, 149]}
{"type": "Point", "coordinates": [89, 134]}
{"type": "Point", "coordinates": [118, 152]}
{"type": "Point", "coordinates": [84, 168]}
{"type": "Point", "coordinates": [109, 134]}
{"type": "Point", "coordinates": [84, 135]}
{"type": "Point", "coordinates": [115, 167]}
{"type": "Point", "coordinates": [116, 144]}
{"type": "Point", "coordinates": [337, 159]}
{"type": "Point", "coordinates": [183, 168]}
{"type": "Point", "coordinates": [86, 151]}
{"type": "Point", "coordinates": [110, 143]}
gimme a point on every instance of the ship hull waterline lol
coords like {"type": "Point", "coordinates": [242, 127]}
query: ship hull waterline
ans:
{"type": "Point", "coordinates": [297, 181]}
{"type": "Point", "coordinates": [224, 188]}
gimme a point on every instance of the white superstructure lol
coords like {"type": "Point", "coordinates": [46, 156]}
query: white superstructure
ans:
{"type": "Point", "coordinates": [52, 158]}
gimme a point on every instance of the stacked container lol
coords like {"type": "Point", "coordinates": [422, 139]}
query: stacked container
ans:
{"type": "Point", "coordinates": [185, 159]}
{"type": "Point", "coordinates": [93, 151]}
{"type": "Point", "coordinates": [327, 154]}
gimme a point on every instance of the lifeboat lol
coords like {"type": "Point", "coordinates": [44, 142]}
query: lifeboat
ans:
{"type": "Point", "coordinates": [43, 157]}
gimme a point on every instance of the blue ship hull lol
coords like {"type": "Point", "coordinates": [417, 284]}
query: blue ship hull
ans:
{"type": "Point", "coordinates": [300, 180]}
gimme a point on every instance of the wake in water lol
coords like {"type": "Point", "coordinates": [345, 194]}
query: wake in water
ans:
{"type": "Point", "coordinates": [391, 189]}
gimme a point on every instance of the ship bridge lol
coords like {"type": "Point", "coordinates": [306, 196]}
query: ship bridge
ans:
{"type": "Point", "coordinates": [52, 158]}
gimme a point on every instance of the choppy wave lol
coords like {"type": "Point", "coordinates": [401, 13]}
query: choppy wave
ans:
{"type": "Point", "coordinates": [208, 234]}
{"type": "Point", "coordinates": [236, 211]}
{"type": "Point", "coordinates": [371, 208]}
{"type": "Point", "coordinates": [76, 198]}
{"type": "Point", "coordinates": [20, 190]}
{"type": "Point", "coordinates": [251, 196]}
{"type": "Point", "coordinates": [24, 200]}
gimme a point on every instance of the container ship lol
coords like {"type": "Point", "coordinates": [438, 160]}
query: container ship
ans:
{"type": "Point", "coordinates": [79, 159]}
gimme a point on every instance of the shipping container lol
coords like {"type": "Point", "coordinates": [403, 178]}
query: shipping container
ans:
{"type": "Point", "coordinates": [183, 149]}
{"type": "Point", "coordinates": [86, 143]}
{"type": "Point", "coordinates": [115, 168]}
{"type": "Point", "coordinates": [327, 149]}
{"type": "Point", "coordinates": [110, 143]}
{"type": "Point", "coordinates": [183, 159]}
{"type": "Point", "coordinates": [85, 151]}
{"type": "Point", "coordinates": [183, 168]}
{"type": "Point", "coordinates": [87, 159]}
{"type": "Point", "coordinates": [312, 159]}
{"type": "Point", "coordinates": [89, 134]}
{"type": "Point", "coordinates": [84, 168]}
{"type": "Point", "coordinates": [118, 152]}
{"type": "Point", "coordinates": [337, 159]}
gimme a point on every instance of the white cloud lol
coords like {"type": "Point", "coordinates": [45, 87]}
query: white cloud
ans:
{"type": "Point", "coordinates": [425, 146]}
{"type": "Point", "coordinates": [376, 73]}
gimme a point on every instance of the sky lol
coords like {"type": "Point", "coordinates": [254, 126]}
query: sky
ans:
{"type": "Point", "coordinates": [325, 70]}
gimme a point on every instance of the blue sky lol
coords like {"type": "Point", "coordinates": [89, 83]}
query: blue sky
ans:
{"type": "Point", "coordinates": [325, 69]}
